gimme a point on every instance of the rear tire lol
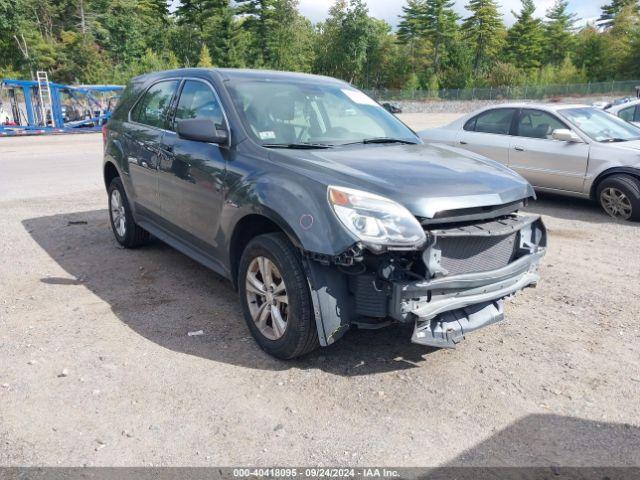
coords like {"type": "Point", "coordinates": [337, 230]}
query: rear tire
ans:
{"type": "Point", "coordinates": [125, 229]}
{"type": "Point", "coordinates": [619, 197]}
{"type": "Point", "coordinates": [274, 293]}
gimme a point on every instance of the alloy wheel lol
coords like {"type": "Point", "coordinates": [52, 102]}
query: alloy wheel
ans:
{"type": "Point", "coordinates": [118, 216]}
{"type": "Point", "coordinates": [616, 203]}
{"type": "Point", "coordinates": [267, 297]}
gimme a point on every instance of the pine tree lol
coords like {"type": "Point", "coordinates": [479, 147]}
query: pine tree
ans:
{"type": "Point", "coordinates": [259, 19]}
{"type": "Point", "coordinates": [439, 28]}
{"type": "Point", "coordinates": [610, 10]}
{"type": "Point", "coordinates": [484, 32]}
{"type": "Point", "coordinates": [558, 29]}
{"type": "Point", "coordinates": [204, 61]}
{"type": "Point", "coordinates": [525, 38]}
{"type": "Point", "coordinates": [411, 24]}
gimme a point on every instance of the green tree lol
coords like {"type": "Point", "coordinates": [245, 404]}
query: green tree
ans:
{"type": "Point", "coordinates": [612, 9]}
{"type": "Point", "coordinates": [259, 19]}
{"type": "Point", "coordinates": [290, 38]}
{"type": "Point", "coordinates": [204, 61]}
{"type": "Point", "coordinates": [440, 29]}
{"type": "Point", "coordinates": [558, 33]}
{"type": "Point", "coordinates": [343, 41]}
{"type": "Point", "coordinates": [621, 36]}
{"type": "Point", "coordinates": [484, 32]}
{"type": "Point", "coordinates": [411, 34]}
{"type": "Point", "coordinates": [525, 38]}
{"type": "Point", "coordinates": [592, 53]}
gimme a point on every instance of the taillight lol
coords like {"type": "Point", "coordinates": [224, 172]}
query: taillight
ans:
{"type": "Point", "coordinates": [104, 135]}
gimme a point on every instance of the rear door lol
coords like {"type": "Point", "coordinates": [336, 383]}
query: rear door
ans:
{"type": "Point", "coordinates": [191, 173]}
{"type": "Point", "coordinates": [543, 161]}
{"type": "Point", "coordinates": [488, 134]}
{"type": "Point", "coordinates": [142, 137]}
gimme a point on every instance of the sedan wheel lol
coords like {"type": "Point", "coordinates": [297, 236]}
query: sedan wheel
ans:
{"type": "Point", "coordinates": [267, 297]}
{"type": "Point", "coordinates": [616, 203]}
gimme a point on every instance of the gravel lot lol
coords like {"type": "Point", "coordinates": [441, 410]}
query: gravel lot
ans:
{"type": "Point", "coordinates": [96, 367]}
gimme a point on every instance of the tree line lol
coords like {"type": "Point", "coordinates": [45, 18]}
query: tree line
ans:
{"type": "Point", "coordinates": [108, 41]}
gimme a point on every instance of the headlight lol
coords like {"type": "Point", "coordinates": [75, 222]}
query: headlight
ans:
{"type": "Point", "coordinates": [377, 221]}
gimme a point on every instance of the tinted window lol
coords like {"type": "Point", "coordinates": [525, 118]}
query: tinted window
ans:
{"type": "Point", "coordinates": [197, 100]}
{"type": "Point", "coordinates": [627, 113]}
{"type": "Point", "coordinates": [494, 121]}
{"type": "Point", "coordinates": [537, 124]}
{"type": "Point", "coordinates": [153, 106]}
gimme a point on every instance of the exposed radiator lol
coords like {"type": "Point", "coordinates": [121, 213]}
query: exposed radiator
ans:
{"type": "Point", "coordinates": [476, 254]}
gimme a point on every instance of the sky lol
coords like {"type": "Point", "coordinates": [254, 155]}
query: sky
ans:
{"type": "Point", "coordinates": [316, 10]}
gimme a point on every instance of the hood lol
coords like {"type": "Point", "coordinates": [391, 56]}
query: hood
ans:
{"type": "Point", "coordinates": [633, 145]}
{"type": "Point", "coordinates": [425, 179]}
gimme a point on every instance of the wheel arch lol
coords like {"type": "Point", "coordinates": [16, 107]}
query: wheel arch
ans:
{"type": "Point", "coordinates": [250, 226]}
{"type": "Point", "coordinates": [109, 172]}
{"type": "Point", "coordinates": [634, 172]}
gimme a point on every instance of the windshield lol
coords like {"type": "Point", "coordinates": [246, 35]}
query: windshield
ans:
{"type": "Point", "coordinates": [292, 113]}
{"type": "Point", "coordinates": [601, 126]}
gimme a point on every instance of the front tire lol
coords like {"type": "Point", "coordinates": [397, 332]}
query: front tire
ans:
{"type": "Point", "coordinates": [275, 297]}
{"type": "Point", "coordinates": [619, 197]}
{"type": "Point", "coordinates": [125, 229]}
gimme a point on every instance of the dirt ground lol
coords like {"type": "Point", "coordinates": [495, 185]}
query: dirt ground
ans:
{"type": "Point", "coordinates": [96, 367]}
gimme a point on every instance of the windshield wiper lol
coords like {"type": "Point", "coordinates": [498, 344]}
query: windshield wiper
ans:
{"type": "Point", "coordinates": [612, 140]}
{"type": "Point", "coordinates": [382, 140]}
{"type": "Point", "coordinates": [299, 146]}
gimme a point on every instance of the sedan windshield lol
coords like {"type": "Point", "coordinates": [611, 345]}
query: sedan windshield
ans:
{"type": "Point", "coordinates": [601, 126]}
{"type": "Point", "coordinates": [284, 114]}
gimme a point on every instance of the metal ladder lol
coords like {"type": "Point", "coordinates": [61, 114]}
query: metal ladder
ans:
{"type": "Point", "coordinates": [44, 93]}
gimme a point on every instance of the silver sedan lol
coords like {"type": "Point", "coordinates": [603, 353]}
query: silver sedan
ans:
{"type": "Point", "coordinates": [574, 150]}
{"type": "Point", "coordinates": [629, 111]}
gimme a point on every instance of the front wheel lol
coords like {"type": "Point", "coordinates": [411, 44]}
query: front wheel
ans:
{"type": "Point", "coordinates": [619, 197]}
{"type": "Point", "coordinates": [275, 297]}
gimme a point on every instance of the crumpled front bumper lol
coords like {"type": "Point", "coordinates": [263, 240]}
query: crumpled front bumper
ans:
{"type": "Point", "coordinates": [446, 308]}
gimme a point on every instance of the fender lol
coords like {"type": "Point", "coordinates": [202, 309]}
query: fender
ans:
{"type": "Point", "coordinates": [312, 228]}
{"type": "Point", "coordinates": [310, 223]}
{"type": "Point", "coordinates": [635, 172]}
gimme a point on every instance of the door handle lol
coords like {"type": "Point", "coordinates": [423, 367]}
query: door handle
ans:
{"type": "Point", "coordinates": [518, 148]}
{"type": "Point", "coordinates": [462, 142]}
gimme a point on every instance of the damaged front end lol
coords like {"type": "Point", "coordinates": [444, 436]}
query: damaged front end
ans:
{"type": "Point", "coordinates": [452, 285]}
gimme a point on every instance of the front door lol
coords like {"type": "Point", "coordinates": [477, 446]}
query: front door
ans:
{"type": "Point", "coordinates": [192, 173]}
{"type": "Point", "coordinates": [543, 161]}
{"type": "Point", "coordinates": [142, 139]}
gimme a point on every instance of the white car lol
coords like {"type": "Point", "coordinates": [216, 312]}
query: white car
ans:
{"type": "Point", "coordinates": [574, 150]}
{"type": "Point", "coordinates": [629, 111]}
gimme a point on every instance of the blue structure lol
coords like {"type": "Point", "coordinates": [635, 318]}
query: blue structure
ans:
{"type": "Point", "coordinates": [22, 100]}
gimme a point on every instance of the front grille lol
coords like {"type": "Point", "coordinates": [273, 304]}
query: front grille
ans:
{"type": "Point", "coordinates": [468, 254]}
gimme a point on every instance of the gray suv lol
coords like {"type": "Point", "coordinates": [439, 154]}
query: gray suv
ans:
{"type": "Point", "coordinates": [322, 208]}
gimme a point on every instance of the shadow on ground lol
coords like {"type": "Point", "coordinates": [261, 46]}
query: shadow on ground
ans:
{"type": "Point", "coordinates": [162, 295]}
{"type": "Point", "coordinates": [538, 440]}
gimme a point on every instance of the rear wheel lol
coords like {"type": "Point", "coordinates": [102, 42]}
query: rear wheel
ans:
{"type": "Point", "coordinates": [275, 297]}
{"type": "Point", "coordinates": [124, 227]}
{"type": "Point", "coordinates": [619, 197]}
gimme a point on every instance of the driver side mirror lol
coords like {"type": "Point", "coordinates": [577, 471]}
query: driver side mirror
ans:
{"type": "Point", "coordinates": [566, 135]}
{"type": "Point", "coordinates": [201, 130]}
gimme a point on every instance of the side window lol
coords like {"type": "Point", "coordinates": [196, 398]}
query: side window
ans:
{"type": "Point", "coordinates": [152, 108]}
{"type": "Point", "coordinates": [537, 124]}
{"type": "Point", "coordinates": [197, 100]}
{"type": "Point", "coordinates": [496, 121]}
{"type": "Point", "coordinates": [627, 113]}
